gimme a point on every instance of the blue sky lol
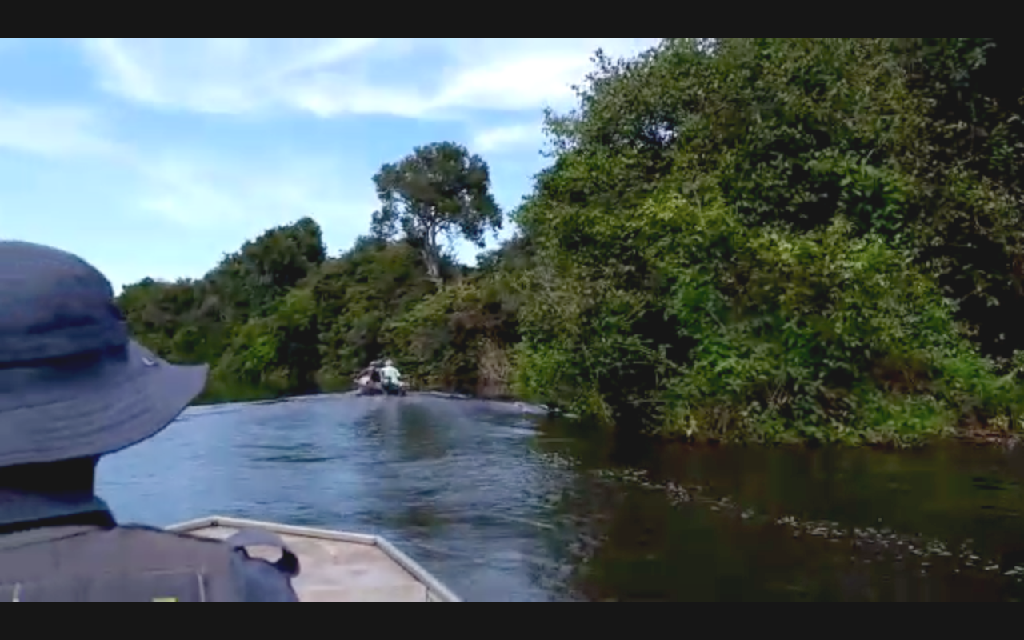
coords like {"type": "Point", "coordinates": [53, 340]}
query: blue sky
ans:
{"type": "Point", "coordinates": [154, 157]}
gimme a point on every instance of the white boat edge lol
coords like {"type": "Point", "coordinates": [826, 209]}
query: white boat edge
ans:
{"type": "Point", "coordinates": [437, 591]}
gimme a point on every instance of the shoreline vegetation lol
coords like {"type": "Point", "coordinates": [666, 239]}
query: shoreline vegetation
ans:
{"type": "Point", "coordinates": [804, 241]}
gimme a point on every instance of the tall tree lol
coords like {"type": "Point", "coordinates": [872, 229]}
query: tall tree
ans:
{"type": "Point", "coordinates": [438, 191]}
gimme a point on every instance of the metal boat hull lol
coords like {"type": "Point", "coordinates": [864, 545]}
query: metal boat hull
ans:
{"type": "Point", "coordinates": [338, 566]}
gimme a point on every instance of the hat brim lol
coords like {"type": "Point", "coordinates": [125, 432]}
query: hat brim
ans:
{"type": "Point", "coordinates": [99, 412]}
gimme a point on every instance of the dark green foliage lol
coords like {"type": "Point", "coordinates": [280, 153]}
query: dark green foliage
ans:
{"type": "Point", "coordinates": [357, 294]}
{"type": "Point", "coordinates": [761, 239]}
{"type": "Point", "coordinates": [251, 281]}
{"type": "Point", "coordinates": [827, 229]}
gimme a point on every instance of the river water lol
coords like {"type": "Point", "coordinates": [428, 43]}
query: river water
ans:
{"type": "Point", "coordinates": [502, 506]}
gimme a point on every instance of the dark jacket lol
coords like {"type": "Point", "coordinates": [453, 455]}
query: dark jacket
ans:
{"type": "Point", "coordinates": [372, 372]}
{"type": "Point", "coordinates": [72, 550]}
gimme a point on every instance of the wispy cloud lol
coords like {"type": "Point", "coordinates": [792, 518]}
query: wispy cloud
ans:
{"type": "Point", "coordinates": [196, 189]}
{"type": "Point", "coordinates": [515, 137]}
{"type": "Point", "coordinates": [53, 131]}
{"type": "Point", "coordinates": [414, 78]}
{"type": "Point", "coordinates": [147, 139]}
{"type": "Point", "coordinates": [246, 198]}
{"type": "Point", "coordinates": [213, 75]}
{"type": "Point", "coordinates": [418, 78]}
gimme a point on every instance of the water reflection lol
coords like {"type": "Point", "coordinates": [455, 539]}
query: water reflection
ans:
{"type": "Point", "coordinates": [504, 507]}
{"type": "Point", "coordinates": [786, 525]}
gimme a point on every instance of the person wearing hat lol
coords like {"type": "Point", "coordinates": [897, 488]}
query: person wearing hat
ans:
{"type": "Point", "coordinates": [369, 379]}
{"type": "Point", "coordinates": [73, 388]}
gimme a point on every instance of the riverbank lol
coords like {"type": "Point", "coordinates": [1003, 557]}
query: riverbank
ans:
{"type": "Point", "coordinates": [978, 438]}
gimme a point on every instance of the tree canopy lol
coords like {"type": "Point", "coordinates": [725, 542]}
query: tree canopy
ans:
{"type": "Point", "coordinates": [436, 192]}
{"type": "Point", "coordinates": [752, 239]}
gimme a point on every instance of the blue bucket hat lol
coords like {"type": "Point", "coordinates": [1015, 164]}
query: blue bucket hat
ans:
{"type": "Point", "coordinates": [72, 383]}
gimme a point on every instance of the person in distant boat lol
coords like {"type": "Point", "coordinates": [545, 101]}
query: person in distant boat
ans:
{"type": "Point", "coordinates": [367, 375]}
{"type": "Point", "coordinates": [75, 387]}
{"type": "Point", "coordinates": [391, 379]}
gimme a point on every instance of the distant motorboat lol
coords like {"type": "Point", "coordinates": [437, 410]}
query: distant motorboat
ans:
{"type": "Point", "coordinates": [377, 389]}
{"type": "Point", "coordinates": [369, 387]}
{"type": "Point", "coordinates": [400, 391]}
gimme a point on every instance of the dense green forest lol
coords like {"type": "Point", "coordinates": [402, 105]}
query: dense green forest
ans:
{"type": "Point", "coordinates": [739, 239]}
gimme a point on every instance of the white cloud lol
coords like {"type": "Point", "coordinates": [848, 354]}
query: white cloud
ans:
{"type": "Point", "coordinates": [237, 197]}
{"type": "Point", "coordinates": [514, 137]}
{"type": "Point", "coordinates": [213, 75]}
{"type": "Point", "coordinates": [198, 191]}
{"type": "Point", "coordinates": [52, 132]}
{"type": "Point", "coordinates": [245, 199]}
{"type": "Point", "coordinates": [420, 78]}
